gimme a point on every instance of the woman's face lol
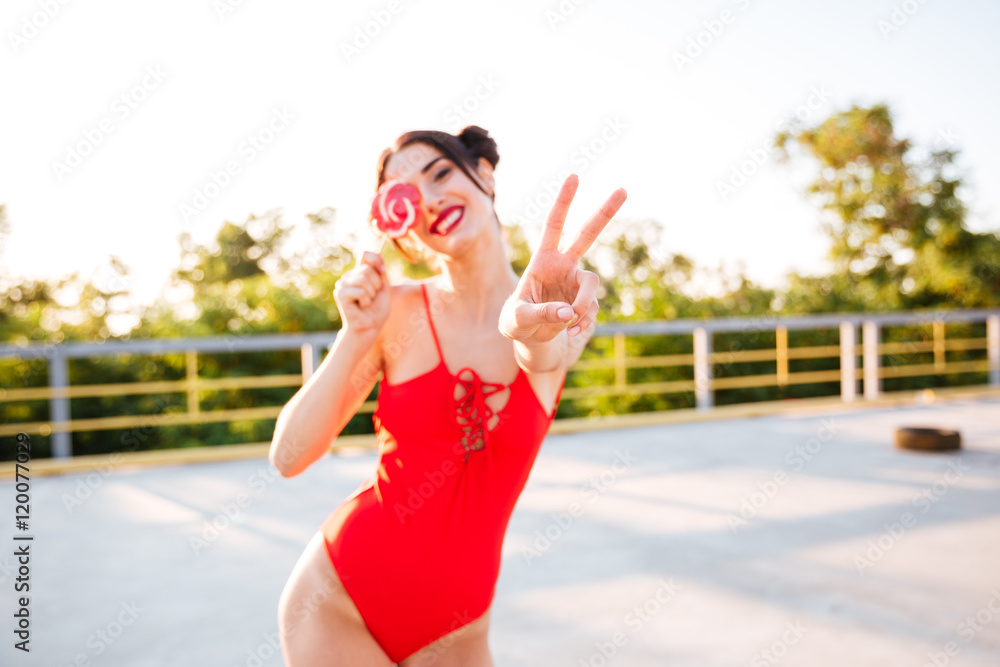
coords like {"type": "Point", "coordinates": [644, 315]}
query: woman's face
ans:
{"type": "Point", "coordinates": [455, 210]}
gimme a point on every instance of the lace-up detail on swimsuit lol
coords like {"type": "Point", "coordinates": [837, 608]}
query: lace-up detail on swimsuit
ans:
{"type": "Point", "coordinates": [469, 408]}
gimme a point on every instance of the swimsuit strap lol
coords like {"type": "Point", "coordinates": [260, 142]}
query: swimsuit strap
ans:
{"type": "Point", "coordinates": [427, 305]}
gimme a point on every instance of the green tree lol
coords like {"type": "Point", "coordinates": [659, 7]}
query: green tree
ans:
{"type": "Point", "coordinates": [895, 219]}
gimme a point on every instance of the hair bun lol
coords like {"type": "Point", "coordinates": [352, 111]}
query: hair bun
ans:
{"type": "Point", "coordinates": [479, 144]}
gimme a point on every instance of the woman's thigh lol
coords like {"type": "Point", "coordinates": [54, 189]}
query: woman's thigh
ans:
{"type": "Point", "coordinates": [465, 647]}
{"type": "Point", "coordinates": [318, 622]}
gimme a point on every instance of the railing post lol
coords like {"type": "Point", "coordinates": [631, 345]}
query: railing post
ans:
{"type": "Point", "coordinates": [192, 380]}
{"type": "Point", "coordinates": [781, 354]}
{"type": "Point", "coordinates": [939, 348]}
{"type": "Point", "coordinates": [703, 368]}
{"type": "Point", "coordinates": [993, 348]}
{"type": "Point", "coordinates": [62, 442]}
{"type": "Point", "coordinates": [310, 361]}
{"type": "Point", "coordinates": [870, 332]}
{"type": "Point", "coordinates": [848, 361]}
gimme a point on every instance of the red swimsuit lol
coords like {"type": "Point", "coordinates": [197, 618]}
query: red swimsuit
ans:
{"type": "Point", "coordinates": [417, 545]}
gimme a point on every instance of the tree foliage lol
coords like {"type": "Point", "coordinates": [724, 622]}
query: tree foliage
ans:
{"type": "Point", "coordinates": [896, 222]}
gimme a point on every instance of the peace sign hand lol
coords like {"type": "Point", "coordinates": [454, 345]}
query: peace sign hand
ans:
{"type": "Point", "coordinates": [553, 293]}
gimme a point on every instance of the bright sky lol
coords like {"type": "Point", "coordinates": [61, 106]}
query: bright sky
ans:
{"type": "Point", "coordinates": [171, 93]}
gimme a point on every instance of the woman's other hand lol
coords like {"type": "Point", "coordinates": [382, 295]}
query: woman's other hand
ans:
{"type": "Point", "coordinates": [554, 293]}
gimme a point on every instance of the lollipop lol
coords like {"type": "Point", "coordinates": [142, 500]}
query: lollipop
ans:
{"type": "Point", "coordinates": [395, 208]}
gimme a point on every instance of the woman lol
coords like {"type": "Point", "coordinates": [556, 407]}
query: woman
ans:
{"type": "Point", "coordinates": [403, 571]}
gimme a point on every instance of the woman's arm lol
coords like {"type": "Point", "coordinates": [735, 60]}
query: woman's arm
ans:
{"type": "Point", "coordinates": [320, 409]}
{"type": "Point", "coordinates": [318, 412]}
{"type": "Point", "coordinates": [541, 357]}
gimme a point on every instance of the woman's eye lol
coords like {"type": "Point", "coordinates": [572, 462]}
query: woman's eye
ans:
{"type": "Point", "coordinates": [442, 173]}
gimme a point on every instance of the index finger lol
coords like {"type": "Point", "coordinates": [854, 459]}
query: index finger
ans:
{"type": "Point", "coordinates": [374, 260]}
{"type": "Point", "coordinates": [593, 227]}
{"type": "Point", "coordinates": [557, 216]}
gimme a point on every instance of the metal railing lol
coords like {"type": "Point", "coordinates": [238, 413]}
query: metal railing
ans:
{"type": "Point", "coordinates": [703, 359]}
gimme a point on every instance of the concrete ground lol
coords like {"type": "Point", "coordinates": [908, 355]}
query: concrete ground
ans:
{"type": "Point", "coordinates": [802, 539]}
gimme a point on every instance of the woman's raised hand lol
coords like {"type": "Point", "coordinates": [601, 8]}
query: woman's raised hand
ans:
{"type": "Point", "coordinates": [553, 292]}
{"type": "Point", "coordinates": [362, 296]}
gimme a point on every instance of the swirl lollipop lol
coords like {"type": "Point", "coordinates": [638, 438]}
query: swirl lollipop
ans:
{"type": "Point", "coordinates": [395, 209]}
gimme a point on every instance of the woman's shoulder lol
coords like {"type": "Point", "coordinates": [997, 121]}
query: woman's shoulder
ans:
{"type": "Point", "coordinates": [406, 307]}
{"type": "Point", "coordinates": [405, 297]}
{"type": "Point", "coordinates": [406, 290]}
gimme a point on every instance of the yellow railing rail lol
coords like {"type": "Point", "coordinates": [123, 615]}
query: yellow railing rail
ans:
{"type": "Point", "coordinates": [701, 365]}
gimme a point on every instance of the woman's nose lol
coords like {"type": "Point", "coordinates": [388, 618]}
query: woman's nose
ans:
{"type": "Point", "coordinates": [431, 201]}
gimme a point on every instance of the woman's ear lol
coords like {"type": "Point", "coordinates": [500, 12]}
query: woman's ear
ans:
{"type": "Point", "coordinates": [485, 173]}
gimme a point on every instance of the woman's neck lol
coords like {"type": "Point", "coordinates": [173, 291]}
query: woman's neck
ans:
{"type": "Point", "coordinates": [481, 279]}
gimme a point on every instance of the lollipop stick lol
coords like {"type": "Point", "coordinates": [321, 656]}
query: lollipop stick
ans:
{"type": "Point", "coordinates": [381, 245]}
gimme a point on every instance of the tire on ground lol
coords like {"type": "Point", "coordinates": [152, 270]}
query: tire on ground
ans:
{"type": "Point", "coordinates": [926, 439]}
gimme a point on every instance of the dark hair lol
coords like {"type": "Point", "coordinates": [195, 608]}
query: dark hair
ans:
{"type": "Point", "coordinates": [464, 149]}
